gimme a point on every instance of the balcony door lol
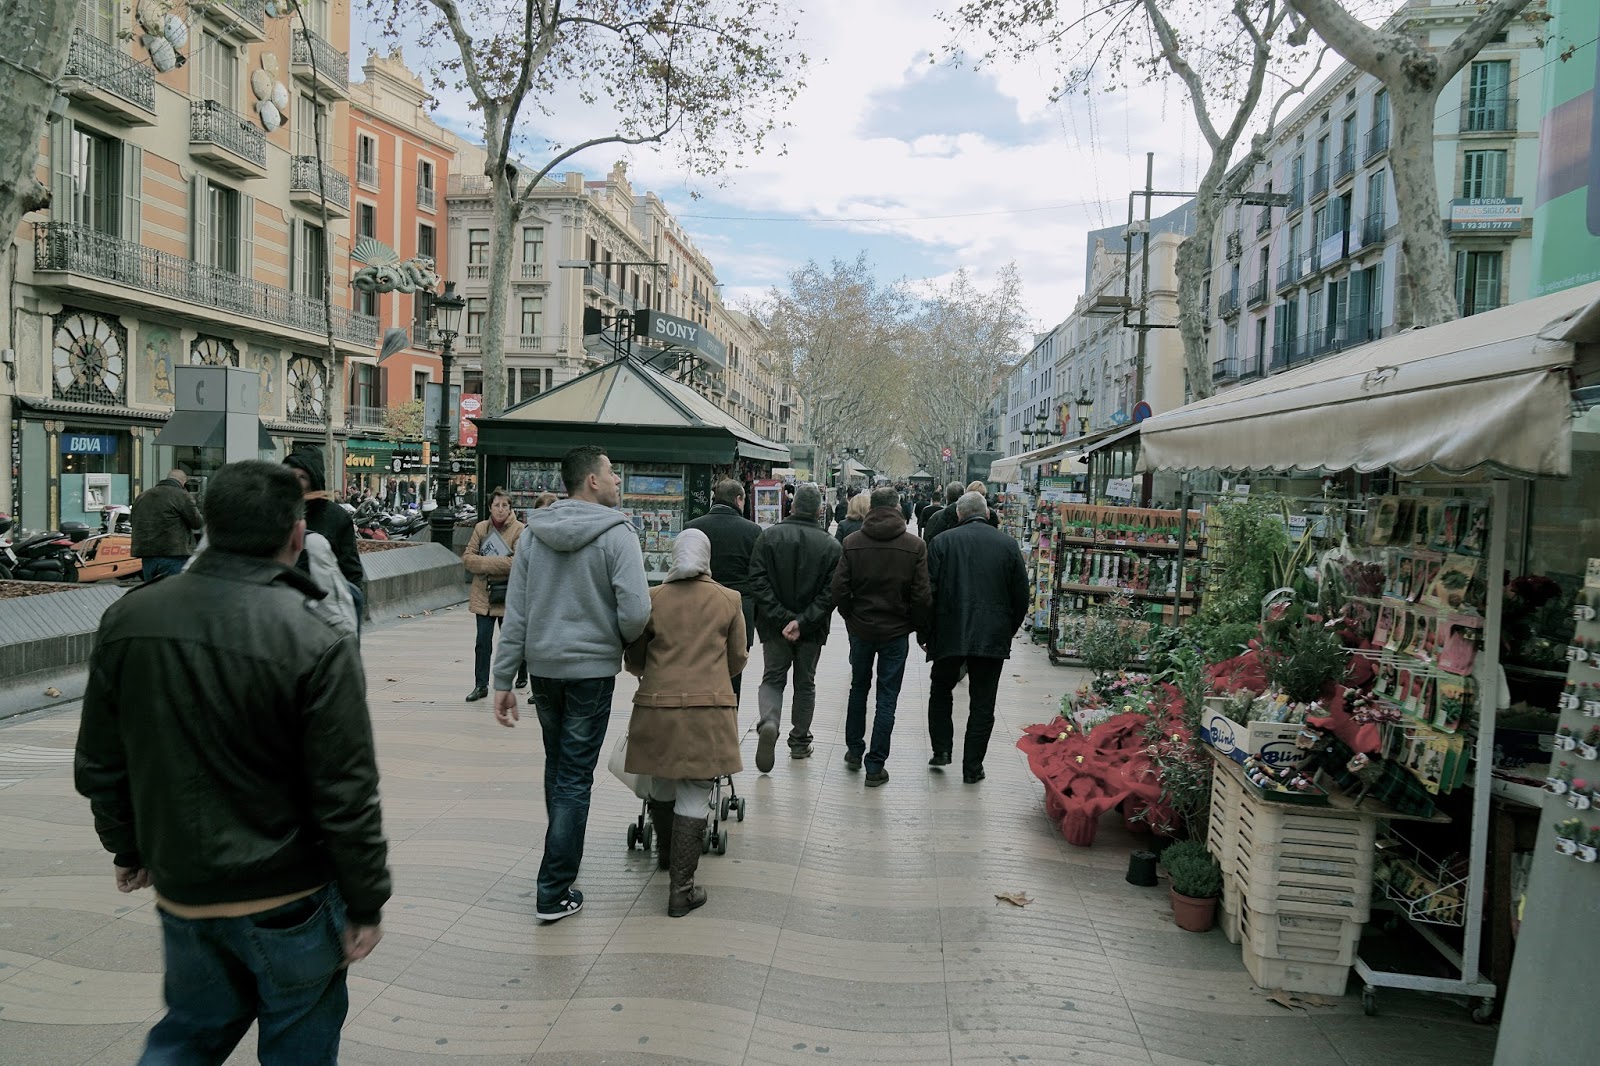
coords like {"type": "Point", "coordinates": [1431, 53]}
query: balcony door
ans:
{"type": "Point", "coordinates": [216, 70]}
{"type": "Point", "coordinates": [95, 180]}
{"type": "Point", "coordinates": [98, 18]}
{"type": "Point", "coordinates": [1489, 95]}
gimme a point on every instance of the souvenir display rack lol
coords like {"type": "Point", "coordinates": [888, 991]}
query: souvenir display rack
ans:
{"type": "Point", "coordinates": [1151, 556]}
{"type": "Point", "coordinates": [1575, 766]}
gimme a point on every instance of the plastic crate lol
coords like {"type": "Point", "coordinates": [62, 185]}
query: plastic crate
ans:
{"type": "Point", "coordinates": [1346, 889]}
{"type": "Point", "coordinates": [1230, 916]}
{"type": "Point", "coordinates": [1290, 934]}
{"type": "Point", "coordinates": [1357, 911]}
{"type": "Point", "coordinates": [1294, 975]}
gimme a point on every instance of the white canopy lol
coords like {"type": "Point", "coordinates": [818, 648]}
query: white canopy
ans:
{"type": "Point", "coordinates": [1490, 390]}
{"type": "Point", "coordinates": [1005, 471]}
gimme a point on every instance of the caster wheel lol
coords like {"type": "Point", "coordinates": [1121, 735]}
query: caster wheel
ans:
{"type": "Point", "coordinates": [633, 837]}
{"type": "Point", "coordinates": [721, 845]}
{"type": "Point", "coordinates": [705, 840]}
{"type": "Point", "coordinates": [1369, 1002]}
{"type": "Point", "coordinates": [741, 810]}
{"type": "Point", "coordinates": [648, 837]}
{"type": "Point", "coordinates": [722, 811]}
{"type": "Point", "coordinates": [1483, 1011]}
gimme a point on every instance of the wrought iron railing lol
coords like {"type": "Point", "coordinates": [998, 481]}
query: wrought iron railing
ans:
{"type": "Point", "coordinates": [1225, 370]}
{"type": "Point", "coordinates": [421, 335]}
{"type": "Point", "coordinates": [67, 246]}
{"type": "Point", "coordinates": [1344, 163]}
{"type": "Point", "coordinates": [105, 66]}
{"type": "Point", "coordinates": [211, 123]}
{"type": "Point", "coordinates": [1228, 303]}
{"type": "Point", "coordinates": [1297, 196]}
{"type": "Point", "coordinates": [1377, 140]}
{"type": "Point", "coordinates": [1258, 291]}
{"type": "Point", "coordinates": [426, 197]}
{"type": "Point", "coordinates": [1490, 114]}
{"type": "Point", "coordinates": [332, 65]}
{"type": "Point", "coordinates": [356, 414]}
{"type": "Point", "coordinates": [1372, 228]}
{"type": "Point", "coordinates": [251, 11]}
{"type": "Point", "coordinates": [303, 178]}
{"type": "Point", "coordinates": [367, 174]}
{"type": "Point", "coordinates": [1319, 181]}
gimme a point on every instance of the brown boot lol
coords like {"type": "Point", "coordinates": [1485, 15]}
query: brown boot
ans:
{"type": "Point", "coordinates": [661, 818]}
{"type": "Point", "coordinates": [685, 896]}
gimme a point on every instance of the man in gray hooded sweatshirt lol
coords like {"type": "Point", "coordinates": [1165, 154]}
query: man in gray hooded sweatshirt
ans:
{"type": "Point", "coordinates": [577, 597]}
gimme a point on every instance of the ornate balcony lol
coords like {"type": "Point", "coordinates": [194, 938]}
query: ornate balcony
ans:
{"type": "Point", "coordinates": [110, 82]}
{"type": "Point", "coordinates": [1259, 293]}
{"type": "Point", "coordinates": [1297, 196]}
{"type": "Point", "coordinates": [426, 197]}
{"type": "Point", "coordinates": [1319, 182]}
{"type": "Point", "coordinates": [1289, 272]}
{"type": "Point", "coordinates": [1489, 114]}
{"type": "Point", "coordinates": [67, 249]}
{"type": "Point", "coordinates": [1377, 141]}
{"type": "Point", "coordinates": [319, 61]}
{"type": "Point", "coordinates": [1372, 228]}
{"type": "Point", "coordinates": [247, 18]}
{"type": "Point", "coordinates": [1228, 303]}
{"type": "Point", "coordinates": [304, 189]}
{"type": "Point", "coordinates": [356, 414]}
{"type": "Point", "coordinates": [1344, 164]}
{"type": "Point", "coordinates": [1263, 220]}
{"type": "Point", "coordinates": [226, 140]}
{"type": "Point", "coordinates": [367, 175]}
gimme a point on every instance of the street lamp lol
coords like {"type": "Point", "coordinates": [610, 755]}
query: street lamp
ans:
{"type": "Point", "coordinates": [1085, 403]}
{"type": "Point", "coordinates": [447, 308]}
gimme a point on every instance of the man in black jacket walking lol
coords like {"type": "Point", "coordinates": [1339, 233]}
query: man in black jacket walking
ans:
{"type": "Point", "coordinates": [226, 752]}
{"type": "Point", "coordinates": [165, 521]}
{"type": "Point", "coordinates": [942, 518]}
{"type": "Point", "coordinates": [733, 538]}
{"type": "Point", "coordinates": [980, 597]}
{"type": "Point", "coordinates": [325, 516]}
{"type": "Point", "coordinates": [881, 590]}
{"type": "Point", "coordinates": [791, 571]}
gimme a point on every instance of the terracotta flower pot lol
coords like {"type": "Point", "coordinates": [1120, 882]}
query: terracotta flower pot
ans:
{"type": "Point", "coordinates": [1079, 829]}
{"type": "Point", "coordinates": [1195, 915]}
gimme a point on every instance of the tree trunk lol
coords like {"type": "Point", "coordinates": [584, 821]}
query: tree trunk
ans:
{"type": "Point", "coordinates": [506, 212]}
{"type": "Point", "coordinates": [1194, 262]}
{"type": "Point", "coordinates": [1424, 279]}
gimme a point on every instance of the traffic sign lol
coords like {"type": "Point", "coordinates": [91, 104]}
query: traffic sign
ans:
{"type": "Point", "coordinates": [946, 453]}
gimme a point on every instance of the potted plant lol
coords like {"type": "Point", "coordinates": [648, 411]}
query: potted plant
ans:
{"type": "Point", "coordinates": [1578, 798]}
{"type": "Point", "coordinates": [1564, 740]}
{"type": "Point", "coordinates": [1196, 884]}
{"type": "Point", "coordinates": [1560, 779]}
{"type": "Point", "coordinates": [1568, 832]}
{"type": "Point", "coordinates": [1589, 850]}
{"type": "Point", "coordinates": [1589, 746]}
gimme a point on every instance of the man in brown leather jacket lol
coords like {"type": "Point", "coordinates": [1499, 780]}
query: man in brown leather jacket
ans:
{"type": "Point", "coordinates": [226, 752]}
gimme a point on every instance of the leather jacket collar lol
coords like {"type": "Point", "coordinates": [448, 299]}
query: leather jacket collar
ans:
{"type": "Point", "coordinates": [251, 570]}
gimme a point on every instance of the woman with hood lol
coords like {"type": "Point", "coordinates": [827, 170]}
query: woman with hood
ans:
{"type": "Point", "coordinates": [488, 558]}
{"type": "Point", "coordinates": [685, 726]}
{"type": "Point", "coordinates": [324, 515]}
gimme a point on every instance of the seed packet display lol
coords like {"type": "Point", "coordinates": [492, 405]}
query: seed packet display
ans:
{"type": "Point", "coordinates": [1382, 514]}
{"type": "Point", "coordinates": [1460, 648]}
{"type": "Point", "coordinates": [1383, 680]}
{"type": "Point", "coordinates": [1423, 572]}
{"type": "Point", "coordinates": [1425, 517]}
{"type": "Point", "coordinates": [1451, 527]}
{"type": "Point", "coordinates": [1452, 583]}
{"type": "Point", "coordinates": [1475, 538]}
{"type": "Point", "coordinates": [1454, 703]}
{"type": "Point", "coordinates": [1400, 635]}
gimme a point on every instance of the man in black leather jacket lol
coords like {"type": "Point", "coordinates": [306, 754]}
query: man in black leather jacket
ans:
{"type": "Point", "coordinates": [226, 752]}
{"type": "Point", "coordinates": [733, 538]}
{"type": "Point", "coordinates": [791, 577]}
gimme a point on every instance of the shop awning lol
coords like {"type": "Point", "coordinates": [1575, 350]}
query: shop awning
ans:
{"type": "Point", "coordinates": [628, 393]}
{"type": "Point", "coordinates": [1490, 390]}
{"type": "Point", "coordinates": [1004, 471]}
{"type": "Point", "coordinates": [921, 475]}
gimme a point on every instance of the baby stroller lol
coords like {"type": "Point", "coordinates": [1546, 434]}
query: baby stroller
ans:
{"type": "Point", "coordinates": [714, 839]}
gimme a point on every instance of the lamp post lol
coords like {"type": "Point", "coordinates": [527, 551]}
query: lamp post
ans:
{"type": "Point", "coordinates": [1085, 404]}
{"type": "Point", "coordinates": [447, 307]}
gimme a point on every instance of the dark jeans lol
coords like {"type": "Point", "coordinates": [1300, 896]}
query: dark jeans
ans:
{"type": "Point", "coordinates": [573, 715]}
{"type": "Point", "coordinates": [749, 606]}
{"type": "Point", "coordinates": [891, 660]}
{"type": "Point", "coordinates": [778, 656]}
{"type": "Point", "coordinates": [161, 565]}
{"type": "Point", "coordinates": [983, 682]}
{"type": "Point", "coordinates": [282, 968]}
{"type": "Point", "coordinates": [483, 651]}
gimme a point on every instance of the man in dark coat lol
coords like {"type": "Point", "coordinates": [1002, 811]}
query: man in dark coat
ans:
{"type": "Point", "coordinates": [733, 537]}
{"type": "Point", "coordinates": [980, 598]}
{"type": "Point", "coordinates": [881, 590]}
{"type": "Point", "coordinates": [943, 518]}
{"type": "Point", "coordinates": [791, 574]}
{"type": "Point", "coordinates": [165, 521]}
{"type": "Point", "coordinates": [325, 516]}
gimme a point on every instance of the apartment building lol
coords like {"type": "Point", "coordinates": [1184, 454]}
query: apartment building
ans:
{"type": "Point", "coordinates": [397, 167]}
{"type": "Point", "coordinates": [1291, 285]}
{"type": "Point", "coordinates": [186, 227]}
{"type": "Point", "coordinates": [1030, 391]}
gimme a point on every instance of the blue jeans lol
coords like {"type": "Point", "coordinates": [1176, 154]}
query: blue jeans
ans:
{"type": "Point", "coordinates": [891, 658]}
{"type": "Point", "coordinates": [161, 565]}
{"type": "Point", "coordinates": [360, 597]}
{"type": "Point", "coordinates": [573, 715]}
{"type": "Point", "coordinates": [282, 968]}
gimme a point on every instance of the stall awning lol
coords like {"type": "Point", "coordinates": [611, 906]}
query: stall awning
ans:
{"type": "Point", "coordinates": [628, 393]}
{"type": "Point", "coordinates": [1005, 471]}
{"type": "Point", "coordinates": [1486, 391]}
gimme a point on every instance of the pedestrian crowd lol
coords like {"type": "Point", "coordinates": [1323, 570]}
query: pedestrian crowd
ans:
{"type": "Point", "coordinates": [226, 748]}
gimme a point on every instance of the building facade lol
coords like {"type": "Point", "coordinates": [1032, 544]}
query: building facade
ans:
{"type": "Point", "coordinates": [1291, 285]}
{"type": "Point", "coordinates": [186, 226]}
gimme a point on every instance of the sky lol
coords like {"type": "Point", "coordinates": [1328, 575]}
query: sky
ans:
{"type": "Point", "coordinates": [928, 167]}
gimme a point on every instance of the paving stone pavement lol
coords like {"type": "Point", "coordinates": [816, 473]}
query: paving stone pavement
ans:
{"type": "Point", "coordinates": [845, 924]}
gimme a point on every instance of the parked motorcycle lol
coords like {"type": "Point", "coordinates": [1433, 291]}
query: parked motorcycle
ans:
{"type": "Point", "coordinates": [48, 556]}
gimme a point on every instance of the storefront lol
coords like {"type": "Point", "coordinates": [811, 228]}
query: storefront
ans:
{"type": "Point", "coordinates": [668, 443]}
{"type": "Point", "coordinates": [70, 464]}
{"type": "Point", "coordinates": [1449, 458]}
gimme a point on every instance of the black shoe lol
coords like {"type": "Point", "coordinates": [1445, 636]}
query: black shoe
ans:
{"type": "Point", "coordinates": [877, 777]}
{"type": "Point", "coordinates": [972, 777]}
{"type": "Point", "coordinates": [852, 762]}
{"type": "Point", "coordinates": [477, 694]}
{"type": "Point", "coordinates": [766, 743]}
{"type": "Point", "coordinates": [571, 903]}
{"type": "Point", "coordinates": [940, 758]}
{"type": "Point", "coordinates": [800, 753]}
{"type": "Point", "coordinates": [521, 681]}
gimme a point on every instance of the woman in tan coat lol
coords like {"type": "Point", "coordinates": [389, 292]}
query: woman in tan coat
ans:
{"type": "Point", "coordinates": [488, 559]}
{"type": "Point", "coordinates": [685, 726]}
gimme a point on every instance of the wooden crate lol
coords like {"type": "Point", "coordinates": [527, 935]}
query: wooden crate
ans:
{"type": "Point", "coordinates": [1294, 975]}
{"type": "Point", "coordinates": [1303, 937]}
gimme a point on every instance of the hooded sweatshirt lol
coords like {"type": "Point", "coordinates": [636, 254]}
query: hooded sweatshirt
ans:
{"type": "Point", "coordinates": [881, 584]}
{"type": "Point", "coordinates": [577, 597]}
{"type": "Point", "coordinates": [328, 518]}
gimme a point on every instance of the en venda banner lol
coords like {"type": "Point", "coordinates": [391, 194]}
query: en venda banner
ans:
{"type": "Point", "coordinates": [1566, 217]}
{"type": "Point", "coordinates": [471, 407]}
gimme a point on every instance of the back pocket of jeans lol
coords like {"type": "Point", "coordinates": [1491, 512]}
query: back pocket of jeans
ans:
{"type": "Point", "coordinates": [301, 955]}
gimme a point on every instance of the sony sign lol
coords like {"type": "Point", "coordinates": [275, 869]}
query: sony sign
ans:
{"type": "Point", "coordinates": [678, 332]}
